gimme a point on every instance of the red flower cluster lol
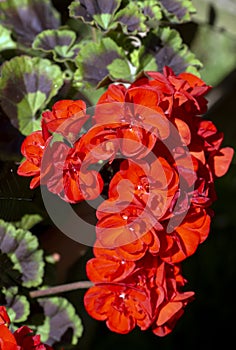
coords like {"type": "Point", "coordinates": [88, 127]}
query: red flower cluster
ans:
{"type": "Point", "coordinates": [22, 339]}
{"type": "Point", "coordinates": [157, 209]}
{"type": "Point", "coordinates": [64, 169]}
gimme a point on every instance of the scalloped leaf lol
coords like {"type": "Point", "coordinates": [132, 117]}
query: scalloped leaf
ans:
{"type": "Point", "coordinates": [131, 19]}
{"type": "Point", "coordinates": [143, 61]}
{"type": "Point", "coordinates": [178, 11]}
{"type": "Point", "coordinates": [28, 221]}
{"type": "Point", "coordinates": [59, 42]}
{"type": "Point", "coordinates": [60, 317]}
{"type": "Point", "coordinates": [119, 68]}
{"type": "Point", "coordinates": [6, 41]}
{"type": "Point", "coordinates": [27, 85]}
{"type": "Point", "coordinates": [18, 307]}
{"type": "Point", "coordinates": [94, 60]}
{"type": "Point", "coordinates": [22, 249]}
{"type": "Point", "coordinates": [99, 12]}
{"type": "Point", "coordinates": [151, 9]}
{"type": "Point", "coordinates": [27, 18]}
{"type": "Point", "coordinates": [169, 50]}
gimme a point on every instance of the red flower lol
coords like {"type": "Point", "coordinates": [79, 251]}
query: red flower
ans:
{"type": "Point", "coordinates": [138, 183]}
{"type": "Point", "coordinates": [65, 172]}
{"type": "Point", "coordinates": [179, 95]}
{"type": "Point", "coordinates": [114, 93]}
{"type": "Point", "coordinates": [157, 210]}
{"type": "Point", "coordinates": [22, 339]}
{"type": "Point", "coordinates": [7, 340]}
{"type": "Point", "coordinates": [32, 149]}
{"type": "Point", "coordinates": [128, 233]}
{"type": "Point", "coordinates": [28, 341]}
{"type": "Point", "coordinates": [122, 307]}
{"type": "Point", "coordinates": [136, 116]}
{"type": "Point", "coordinates": [125, 304]}
{"type": "Point", "coordinates": [170, 312]}
{"type": "Point", "coordinates": [148, 295]}
{"type": "Point", "coordinates": [4, 318]}
{"type": "Point", "coordinates": [105, 141]}
{"type": "Point", "coordinates": [186, 237]}
{"type": "Point", "coordinates": [67, 118]}
{"type": "Point", "coordinates": [175, 301]}
{"type": "Point", "coordinates": [108, 266]}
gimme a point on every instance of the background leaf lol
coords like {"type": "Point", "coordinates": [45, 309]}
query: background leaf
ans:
{"type": "Point", "coordinates": [152, 11]}
{"type": "Point", "coordinates": [28, 221]}
{"type": "Point", "coordinates": [60, 317]}
{"type": "Point", "coordinates": [58, 42]}
{"type": "Point", "coordinates": [143, 60]}
{"type": "Point", "coordinates": [93, 61]}
{"type": "Point", "coordinates": [18, 307]}
{"type": "Point", "coordinates": [27, 18]}
{"type": "Point", "coordinates": [131, 19]}
{"type": "Point", "coordinates": [22, 249]}
{"type": "Point", "coordinates": [166, 46]}
{"type": "Point", "coordinates": [178, 11]}
{"type": "Point", "coordinates": [97, 11]}
{"type": "Point", "coordinates": [6, 41]}
{"type": "Point", "coordinates": [27, 85]}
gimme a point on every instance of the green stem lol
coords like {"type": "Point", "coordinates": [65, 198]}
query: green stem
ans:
{"type": "Point", "coordinates": [94, 35]}
{"type": "Point", "coordinates": [61, 289]}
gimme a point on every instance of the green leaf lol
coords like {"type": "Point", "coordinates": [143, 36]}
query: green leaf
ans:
{"type": "Point", "coordinates": [18, 307]}
{"type": "Point", "coordinates": [27, 18]}
{"type": "Point", "coordinates": [96, 12]}
{"type": "Point", "coordinates": [22, 249]}
{"type": "Point", "coordinates": [152, 11]}
{"type": "Point", "coordinates": [6, 41]}
{"type": "Point", "coordinates": [60, 316]}
{"type": "Point", "coordinates": [143, 61]}
{"type": "Point", "coordinates": [28, 221]}
{"type": "Point", "coordinates": [94, 60]}
{"type": "Point", "coordinates": [103, 20]}
{"type": "Point", "coordinates": [177, 11]}
{"type": "Point", "coordinates": [27, 85]}
{"type": "Point", "coordinates": [59, 42]}
{"type": "Point", "coordinates": [167, 48]}
{"type": "Point", "coordinates": [119, 68]}
{"type": "Point", "coordinates": [131, 19]}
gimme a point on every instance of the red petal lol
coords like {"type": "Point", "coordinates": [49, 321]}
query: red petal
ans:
{"type": "Point", "coordinates": [120, 323]}
{"type": "Point", "coordinates": [106, 269]}
{"type": "Point", "coordinates": [168, 311]}
{"type": "Point", "coordinates": [193, 80]}
{"type": "Point", "coordinates": [183, 130]}
{"type": "Point", "coordinates": [222, 160]}
{"type": "Point", "coordinates": [7, 340]}
{"type": "Point", "coordinates": [97, 301]}
{"type": "Point", "coordinates": [28, 169]}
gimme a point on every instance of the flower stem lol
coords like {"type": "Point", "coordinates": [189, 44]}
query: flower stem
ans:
{"type": "Point", "coordinates": [61, 289]}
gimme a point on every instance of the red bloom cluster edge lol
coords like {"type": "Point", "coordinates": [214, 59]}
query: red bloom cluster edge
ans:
{"type": "Point", "coordinates": [22, 339]}
{"type": "Point", "coordinates": [157, 209]}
